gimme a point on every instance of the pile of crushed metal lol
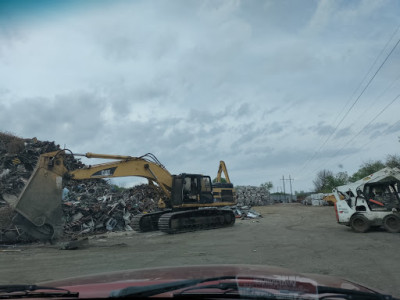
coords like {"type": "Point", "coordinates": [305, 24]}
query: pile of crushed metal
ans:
{"type": "Point", "coordinates": [90, 206]}
{"type": "Point", "coordinates": [96, 206]}
{"type": "Point", "coordinates": [253, 196]}
{"type": "Point", "coordinates": [245, 212]}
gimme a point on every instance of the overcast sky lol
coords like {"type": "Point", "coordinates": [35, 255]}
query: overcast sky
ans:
{"type": "Point", "coordinates": [273, 88]}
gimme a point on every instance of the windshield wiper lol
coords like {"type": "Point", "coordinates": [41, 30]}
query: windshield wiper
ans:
{"type": "Point", "coordinates": [337, 292]}
{"type": "Point", "coordinates": [32, 291]}
{"type": "Point", "coordinates": [231, 290]}
{"type": "Point", "coordinates": [351, 294]}
{"type": "Point", "coordinates": [322, 292]}
{"type": "Point", "coordinates": [156, 289]}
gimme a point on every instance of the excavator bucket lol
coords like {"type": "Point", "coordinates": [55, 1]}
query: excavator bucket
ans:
{"type": "Point", "coordinates": [39, 211]}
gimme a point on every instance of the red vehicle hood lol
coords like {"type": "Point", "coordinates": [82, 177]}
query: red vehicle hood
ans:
{"type": "Point", "coordinates": [101, 285]}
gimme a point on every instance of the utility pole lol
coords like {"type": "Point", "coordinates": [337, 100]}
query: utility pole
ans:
{"type": "Point", "coordinates": [284, 191]}
{"type": "Point", "coordinates": [291, 192]}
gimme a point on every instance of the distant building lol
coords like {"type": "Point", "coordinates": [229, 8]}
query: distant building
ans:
{"type": "Point", "coordinates": [283, 198]}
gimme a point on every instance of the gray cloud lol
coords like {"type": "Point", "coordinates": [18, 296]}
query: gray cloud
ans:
{"type": "Point", "coordinates": [258, 84]}
{"type": "Point", "coordinates": [376, 130]}
{"type": "Point", "coordinates": [64, 115]}
{"type": "Point", "coordinates": [395, 128]}
{"type": "Point", "coordinates": [344, 132]}
{"type": "Point", "coordinates": [322, 129]}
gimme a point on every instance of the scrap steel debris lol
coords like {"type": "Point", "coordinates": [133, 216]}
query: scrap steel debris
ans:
{"type": "Point", "coordinates": [18, 158]}
{"type": "Point", "coordinates": [252, 195]}
{"type": "Point", "coordinates": [96, 206]}
{"type": "Point", "coordinates": [89, 206]}
{"type": "Point", "coordinates": [245, 212]}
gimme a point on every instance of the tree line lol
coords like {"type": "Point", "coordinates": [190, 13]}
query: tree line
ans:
{"type": "Point", "coordinates": [326, 180]}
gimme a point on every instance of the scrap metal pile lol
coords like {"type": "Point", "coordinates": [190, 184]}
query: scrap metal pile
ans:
{"type": "Point", "coordinates": [96, 206]}
{"type": "Point", "coordinates": [252, 196]}
{"type": "Point", "coordinates": [18, 158]}
{"type": "Point", "coordinates": [90, 206]}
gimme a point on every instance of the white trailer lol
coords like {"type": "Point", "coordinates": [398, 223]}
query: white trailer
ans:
{"type": "Point", "coordinates": [373, 201]}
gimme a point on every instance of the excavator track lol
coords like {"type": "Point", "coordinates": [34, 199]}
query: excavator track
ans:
{"type": "Point", "coordinates": [147, 222]}
{"type": "Point", "coordinates": [192, 220]}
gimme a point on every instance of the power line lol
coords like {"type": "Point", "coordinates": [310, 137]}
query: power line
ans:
{"type": "Point", "coordinates": [290, 182]}
{"type": "Point", "coordinates": [366, 74]}
{"type": "Point", "coordinates": [362, 146]}
{"type": "Point", "coordinates": [357, 134]}
{"type": "Point", "coordinates": [354, 103]}
{"type": "Point", "coordinates": [379, 97]}
{"type": "Point", "coordinates": [359, 96]}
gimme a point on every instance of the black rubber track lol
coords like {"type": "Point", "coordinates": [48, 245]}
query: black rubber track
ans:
{"type": "Point", "coordinates": [147, 222]}
{"type": "Point", "coordinates": [192, 220]}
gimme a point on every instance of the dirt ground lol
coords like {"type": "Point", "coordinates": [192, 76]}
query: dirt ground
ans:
{"type": "Point", "coordinates": [303, 238]}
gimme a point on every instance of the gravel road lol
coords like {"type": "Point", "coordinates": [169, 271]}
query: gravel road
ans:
{"type": "Point", "coordinates": [303, 238]}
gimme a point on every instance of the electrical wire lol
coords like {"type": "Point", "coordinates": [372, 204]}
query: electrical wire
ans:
{"type": "Point", "coordinates": [369, 107]}
{"type": "Point", "coordinates": [356, 100]}
{"type": "Point", "coordinates": [351, 140]}
{"type": "Point", "coordinates": [369, 142]}
{"type": "Point", "coordinates": [359, 86]}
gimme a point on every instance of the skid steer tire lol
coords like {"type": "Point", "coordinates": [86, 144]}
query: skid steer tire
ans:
{"type": "Point", "coordinates": [391, 223]}
{"type": "Point", "coordinates": [360, 223]}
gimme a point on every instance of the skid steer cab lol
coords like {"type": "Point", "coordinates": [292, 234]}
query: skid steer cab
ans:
{"type": "Point", "coordinates": [370, 202]}
{"type": "Point", "coordinates": [39, 206]}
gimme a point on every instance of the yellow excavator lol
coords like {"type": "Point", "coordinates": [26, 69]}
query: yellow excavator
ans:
{"type": "Point", "coordinates": [223, 191]}
{"type": "Point", "coordinates": [188, 203]}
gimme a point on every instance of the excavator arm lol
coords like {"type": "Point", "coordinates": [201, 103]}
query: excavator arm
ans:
{"type": "Point", "coordinates": [126, 166]}
{"type": "Point", "coordinates": [223, 191]}
{"type": "Point", "coordinates": [222, 168]}
{"type": "Point", "coordinates": [38, 207]}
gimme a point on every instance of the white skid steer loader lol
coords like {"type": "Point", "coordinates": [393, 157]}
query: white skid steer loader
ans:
{"type": "Point", "coordinates": [370, 202]}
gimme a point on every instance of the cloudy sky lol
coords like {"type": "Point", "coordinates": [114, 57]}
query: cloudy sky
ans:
{"type": "Point", "coordinates": [273, 88]}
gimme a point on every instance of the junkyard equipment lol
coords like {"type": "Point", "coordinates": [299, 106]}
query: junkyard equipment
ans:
{"type": "Point", "coordinates": [330, 199]}
{"type": "Point", "coordinates": [223, 191]}
{"type": "Point", "coordinates": [370, 202]}
{"type": "Point", "coordinates": [188, 203]}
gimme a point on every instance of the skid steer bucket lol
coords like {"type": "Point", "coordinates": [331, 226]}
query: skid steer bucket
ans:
{"type": "Point", "coordinates": [39, 211]}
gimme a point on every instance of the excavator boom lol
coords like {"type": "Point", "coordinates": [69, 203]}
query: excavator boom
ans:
{"type": "Point", "coordinates": [222, 168]}
{"type": "Point", "coordinates": [126, 166]}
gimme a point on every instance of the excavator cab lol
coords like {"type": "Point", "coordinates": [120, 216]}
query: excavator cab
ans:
{"type": "Point", "coordinates": [191, 189]}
